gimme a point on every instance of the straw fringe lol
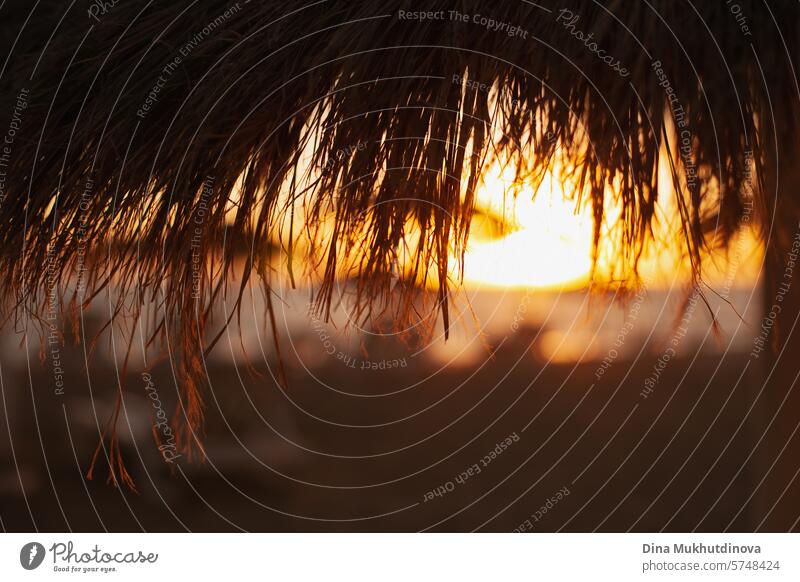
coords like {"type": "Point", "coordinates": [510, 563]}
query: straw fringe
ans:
{"type": "Point", "coordinates": [98, 186]}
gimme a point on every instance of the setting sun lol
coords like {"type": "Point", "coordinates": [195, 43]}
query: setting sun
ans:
{"type": "Point", "coordinates": [548, 243]}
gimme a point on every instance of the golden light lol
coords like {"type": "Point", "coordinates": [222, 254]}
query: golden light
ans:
{"type": "Point", "coordinates": [548, 244]}
{"type": "Point", "coordinates": [521, 238]}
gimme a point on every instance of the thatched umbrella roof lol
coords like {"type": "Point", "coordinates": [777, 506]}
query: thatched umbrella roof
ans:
{"type": "Point", "coordinates": [136, 120]}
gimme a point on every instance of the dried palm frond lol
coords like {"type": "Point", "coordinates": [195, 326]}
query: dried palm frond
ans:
{"type": "Point", "coordinates": [162, 136]}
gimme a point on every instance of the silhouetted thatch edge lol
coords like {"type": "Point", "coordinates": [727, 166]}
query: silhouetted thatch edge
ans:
{"type": "Point", "coordinates": [244, 107]}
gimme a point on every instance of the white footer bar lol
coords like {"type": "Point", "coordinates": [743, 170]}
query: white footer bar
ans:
{"type": "Point", "coordinates": [401, 557]}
